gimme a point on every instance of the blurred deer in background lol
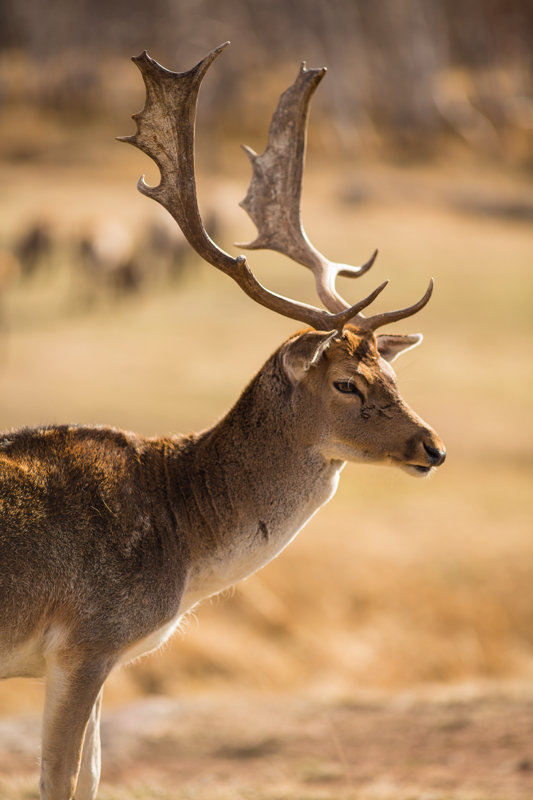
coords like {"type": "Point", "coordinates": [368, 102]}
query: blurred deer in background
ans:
{"type": "Point", "coordinates": [168, 255]}
{"type": "Point", "coordinates": [9, 274]}
{"type": "Point", "coordinates": [108, 262]}
{"type": "Point", "coordinates": [108, 538]}
{"type": "Point", "coordinates": [34, 248]}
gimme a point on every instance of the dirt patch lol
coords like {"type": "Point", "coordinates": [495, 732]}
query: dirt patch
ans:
{"type": "Point", "coordinates": [280, 747]}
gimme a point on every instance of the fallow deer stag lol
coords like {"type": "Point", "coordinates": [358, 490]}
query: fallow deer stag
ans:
{"type": "Point", "coordinates": [107, 538]}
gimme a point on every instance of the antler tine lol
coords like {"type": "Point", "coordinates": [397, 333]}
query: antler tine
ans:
{"type": "Point", "coordinates": [378, 320]}
{"type": "Point", "coordinates": [273, 198]}
{"type": "Point", "coordinates": [165, 132]}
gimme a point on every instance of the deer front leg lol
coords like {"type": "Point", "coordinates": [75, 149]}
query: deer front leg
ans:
{"type": "Point", "coordinates": [71, 701]}
{"type": "Point", "coordinates": [89, 774]}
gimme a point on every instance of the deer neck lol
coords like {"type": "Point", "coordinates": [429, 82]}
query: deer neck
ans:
{"type": "Point", "coordinates": [248, 485]}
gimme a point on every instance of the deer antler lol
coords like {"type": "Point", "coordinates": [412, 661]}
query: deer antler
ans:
{"type": "Point", "coordinates": [273, 198]}
{"type": "Point", "coordinates": [273, 201]}
{"type": "Point", "coordinates": [165, 132]}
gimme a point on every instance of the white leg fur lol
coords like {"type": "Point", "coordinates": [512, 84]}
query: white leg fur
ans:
{"type": "Point", "coordinates": [89, 774]}
{"type": "Point", "coordinates": [72, 695]}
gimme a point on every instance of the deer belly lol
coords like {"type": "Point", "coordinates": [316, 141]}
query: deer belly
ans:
{"type": "Point", "coordinates": [24, 661]}
{"type": "Point", "coordinates": [27, 659]}
{"type": "Point", "coordinates": [151, 642]}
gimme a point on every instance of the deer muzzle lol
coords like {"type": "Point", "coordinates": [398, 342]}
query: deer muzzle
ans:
{"type": "Point", "coordinates": [428, 452]}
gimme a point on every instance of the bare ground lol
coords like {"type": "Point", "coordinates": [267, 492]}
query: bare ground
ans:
{"type": "Point", "coordinates": [258, 747]}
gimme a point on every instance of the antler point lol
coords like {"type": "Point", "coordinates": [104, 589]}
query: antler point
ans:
{"type": "Point", "coordinates": [210, 57]}
{"type": "Point", "coordinates": [250, 152]}
{"type": "Point", "coordinates": [145, 188]}
{"type": "Point", "coordinates": [141, 57]}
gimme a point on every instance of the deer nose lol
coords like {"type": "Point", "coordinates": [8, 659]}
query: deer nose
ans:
{"type": "Point", "coordinates": [435, 455]}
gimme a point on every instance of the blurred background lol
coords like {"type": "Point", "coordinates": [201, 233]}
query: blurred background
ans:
{"type": "Point", "coordinates": [421, 144]}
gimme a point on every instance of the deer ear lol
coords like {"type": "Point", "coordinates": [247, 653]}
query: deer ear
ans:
{"type": "Point", "coordinates": [392, 345]}
{"type": "Point", "coordinates": [304, 352]}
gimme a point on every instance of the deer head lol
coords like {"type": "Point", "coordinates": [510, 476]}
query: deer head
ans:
{"type": "Point", "coordinates": [341, 369]}
{"type": "Point", "coordinates": [346, 395]}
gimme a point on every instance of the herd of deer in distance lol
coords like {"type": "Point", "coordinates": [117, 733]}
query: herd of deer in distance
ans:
{"type": "Point", "coordinates": [106, 261]}
{"type": "Point", "coordinates": [108, 538]}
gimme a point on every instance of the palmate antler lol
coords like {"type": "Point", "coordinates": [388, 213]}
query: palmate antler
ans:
{"type": "Point", "coordinates": [273, 198]}
{"type": "Point", "coordinates": [165, 132]}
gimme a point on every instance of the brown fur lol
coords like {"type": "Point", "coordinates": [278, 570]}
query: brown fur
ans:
{"type": "Point", "coordinates": [90, 503]}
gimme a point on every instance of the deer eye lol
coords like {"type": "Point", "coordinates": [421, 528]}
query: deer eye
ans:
{"type": "Point", "coordinates": [347, 387]}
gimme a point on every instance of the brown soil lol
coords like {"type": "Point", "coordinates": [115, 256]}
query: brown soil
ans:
{"type": "Point", "coordinates": [402, 748]}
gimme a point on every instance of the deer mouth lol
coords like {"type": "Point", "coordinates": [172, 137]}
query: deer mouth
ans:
{"type": "Point", "coordinates": [418, 469]}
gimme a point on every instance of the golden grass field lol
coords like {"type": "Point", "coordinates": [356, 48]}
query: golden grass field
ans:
{"type": "Point", "coordinates": [399, 587]}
